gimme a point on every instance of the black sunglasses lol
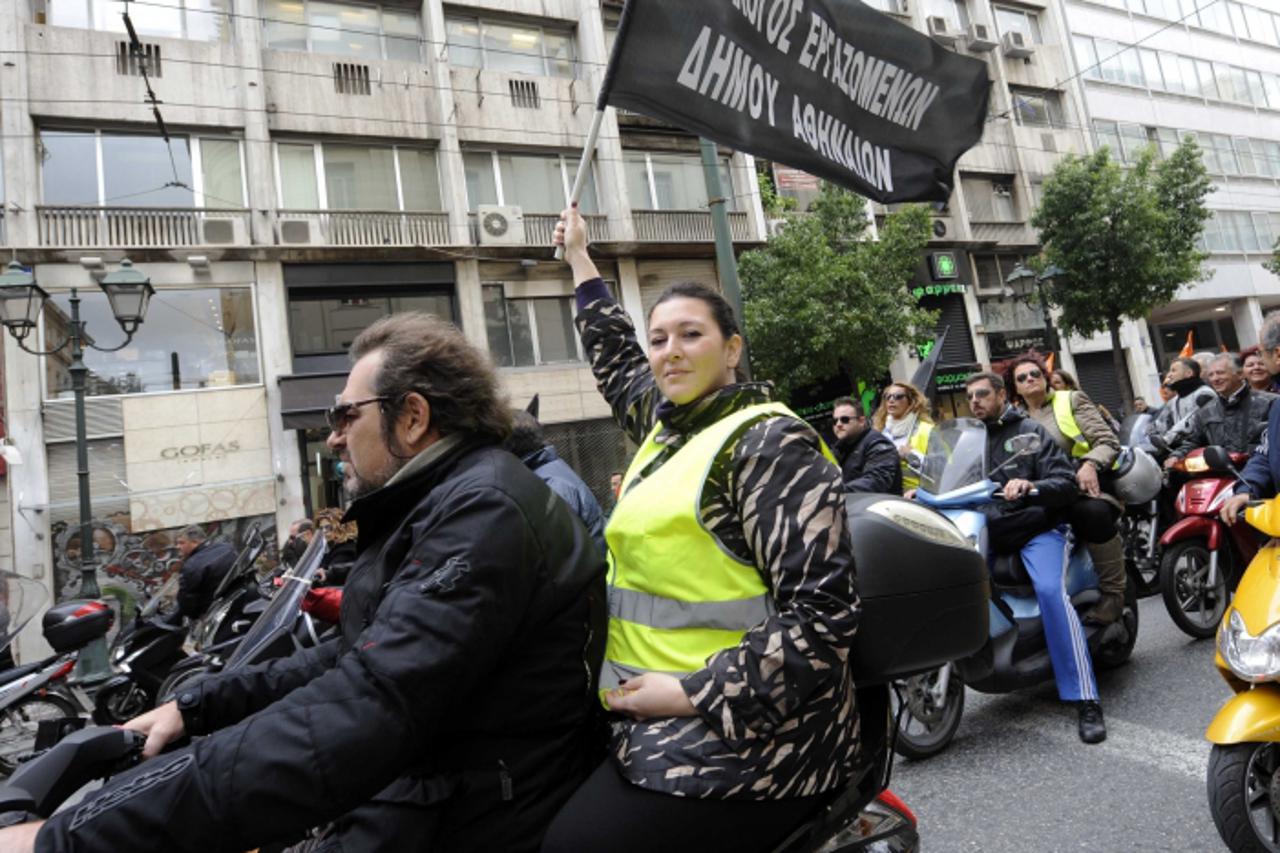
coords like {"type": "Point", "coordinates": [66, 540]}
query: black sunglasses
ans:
{"type": "Point", "coordinates": [340, 415]}
{"type": "Point", "coordinates": [979, 393]}
{"type": "Point", "coordinates": [1034, 373]}
{"type": "Point", "coordinates": [895, 396]}
{"type": "Point", "coordinates": [844, 419]}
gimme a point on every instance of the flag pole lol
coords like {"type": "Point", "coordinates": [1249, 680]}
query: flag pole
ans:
{"type": "Point", "coordinates": [726, 261]}
{"type": "Point", "coordinates": [584, 163]}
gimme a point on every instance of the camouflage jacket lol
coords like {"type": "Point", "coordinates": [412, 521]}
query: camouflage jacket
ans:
{"type": "Point", "coordinates": [776, 713]}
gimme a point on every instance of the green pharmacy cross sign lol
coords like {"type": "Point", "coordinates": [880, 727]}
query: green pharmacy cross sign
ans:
{"type": "Point", "coordinates": [943, 266]}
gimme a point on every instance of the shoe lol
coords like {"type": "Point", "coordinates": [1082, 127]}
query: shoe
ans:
{"type": "Point", "coordinates": [1092, 727]}
{"type": "Point", "coordinates": [1106, 611]}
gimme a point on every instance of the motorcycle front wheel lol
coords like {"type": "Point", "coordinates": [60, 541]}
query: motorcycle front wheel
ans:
{"type": "Point", "coordinates": [1195, 606]}
{"type": "Point", "coordinates": [926, 727]}
{"type": "Point", "coordinates": [20, 722]}
{"type": "Point", "coordinates": [1241, 782]}
{"type": "Point", "coordinates": [120, 704]}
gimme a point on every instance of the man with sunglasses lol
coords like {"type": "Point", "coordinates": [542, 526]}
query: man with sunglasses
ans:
{"type": "Point", "coordinates": [456, 711]}
{"type": "Point", "coordinates": [868, 458]}
{"type": "Point", "coordinates": [1032, 526]}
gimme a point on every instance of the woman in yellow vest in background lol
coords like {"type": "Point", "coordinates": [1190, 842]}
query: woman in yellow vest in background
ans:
{"type": "Point", "coordinates": [731, 593]}
{"type": "Point", "coordinates": [903, 415]}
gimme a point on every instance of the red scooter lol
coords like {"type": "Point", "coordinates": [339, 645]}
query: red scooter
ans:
{"type": "Point", "coordinates": [1203, 558]}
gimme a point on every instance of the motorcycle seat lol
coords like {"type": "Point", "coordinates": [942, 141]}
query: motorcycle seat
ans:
{"type": "Point", "coordinates": [1009, 570]}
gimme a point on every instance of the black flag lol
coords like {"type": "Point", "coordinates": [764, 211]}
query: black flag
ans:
{"type": "Point", "coordinates": [831, 87]}
{"type": "Point", "coordinates": [928, 369]}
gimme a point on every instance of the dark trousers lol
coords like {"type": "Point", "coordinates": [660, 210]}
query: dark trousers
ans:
{"type": "Point", "coordinates": [608, 813]}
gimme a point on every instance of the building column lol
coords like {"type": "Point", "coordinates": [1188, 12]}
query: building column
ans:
{"type": "Point", "coordinates": [20, 192]}
{"type": "Point", "coordinates": [259, 159]}
{"type": "Point", "coordinates": [471, 304]}
{"type": "Point", "coordinates": [629, 295]}
{"type": "Point", "coordinates": [277, 361]}
{"type": "Point", "coordinates": [1247, 315]}
{"type": "Point", "coordinates": [453, 177]}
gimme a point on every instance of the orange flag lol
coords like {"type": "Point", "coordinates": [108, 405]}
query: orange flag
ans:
{"type": "Point", "coordinates": [1189, 348]}
{"type": "Point", "coordinates": [1048, 362]}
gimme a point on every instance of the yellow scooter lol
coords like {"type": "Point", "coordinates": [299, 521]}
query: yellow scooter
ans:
{"type": "Point", "coordinates": [1244, 764]}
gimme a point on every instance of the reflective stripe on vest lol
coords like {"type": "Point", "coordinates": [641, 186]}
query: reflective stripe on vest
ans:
{"type": "Point", "coordinates": [676, 596]}
{"type": "Point", "coordinates": [919, 442]}
{"type": "Point", "coordinates": [1066, 420]}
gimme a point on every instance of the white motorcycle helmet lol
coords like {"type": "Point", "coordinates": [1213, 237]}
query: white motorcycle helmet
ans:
{"type": "Point", "coordinates": [1136, 478]}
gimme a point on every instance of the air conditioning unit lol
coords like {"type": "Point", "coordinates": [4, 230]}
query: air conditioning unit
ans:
{"type": "Point", "coordinates": [501, 226]}
{"type": "Point", "coordinates": [299, 232]}
{"type": "Point", "coordinates": [773, 227]}
{"type": "Point", "coordinates": [1016, 46]}
{"type": "Point", "coordinates": [979, 40]}
{"type": "Point", "coordinates": [939, 30]}
{"type": "Point", "coordinates": [223, 232]}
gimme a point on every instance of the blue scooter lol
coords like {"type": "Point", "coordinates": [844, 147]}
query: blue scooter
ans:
{"type": "Point", "coordinates": [955, 481]}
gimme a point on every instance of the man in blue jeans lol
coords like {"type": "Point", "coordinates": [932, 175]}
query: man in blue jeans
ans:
{"type": "Point", "coordinates": [1031, 525]}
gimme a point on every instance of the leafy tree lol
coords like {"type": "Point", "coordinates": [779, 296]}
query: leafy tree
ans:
{"type": "Point", "coordinates": [774, 203]}
{"type": "Point", "coordinates": [1123, 239]}
{"type": "Point", "coordinates": [821, 301]}
{"type": "Point", "coordinates": [1273, 265]}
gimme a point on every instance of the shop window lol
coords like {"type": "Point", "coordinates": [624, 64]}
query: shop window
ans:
{"type": "Point", "coordinates": [325, 323]}
{"type": "Point", "coordinates": [70, 175]}
{"type": "Point", "coordinates": [505, 46]}
{"type": "Point", "coordinates": [356, 177]}
{"type": "Point", "coordinates": [529, 332]}
{"type": "Point", "coordinates": [196, 338]}
{"type": "Point", "coordinates": [537, 183]}
{"type": "Point", "coordinates": [366, 31]}
{"type": "Point", "coordinates": [199, 20]}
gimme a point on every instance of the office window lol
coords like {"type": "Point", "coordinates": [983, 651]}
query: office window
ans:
{"type": "Point", "coordinates": [1269, 159]}
{"type": "Point", "coordinates": [198, 20]}
{"type": "Point", "coordinates": [1110, 62]}
{"type": "Point", "coordinates": [1013, 19]}
{"type": "Point", "coordinates": [537, 183]}
{"type": "Point", "coordinates": [1226, 154]}
{"type": "Point", "coordinates": [1171, 73]}
{"type": "Point", "coordinates": [1037, 108]}
{"type": "Point", "coordinates": [131, 173]}
{"type": "Point", "coordinates": [1134, 138]}
{"type": "Point", "coordinates": [1245, 156]}
{"type": "Point", "coordinates": [990, 199]}
{"type": "Point", "coordinates": [1108, 134]}
{"type": "Point", "coordinates": [356, 177]}
{"type": "Point", "coordinates": [1167, 141]}
{"type": "Point", "coordinates": [1208, 85]}
{"type": "Point", "coordinates": [1261, 25]}
{"type": "Point", "coordinates": [518, 48]}
{"type": "Point", "coordinates": [363, 31]}
{"type": "Point", "coordinates": [659, 181]}
{"type": "Point", "coordinates": [326, 323]}
{"type": "Point", "coordinates": [1087, 56]}
{"type": "Point", "coordinates": [1151, 68]}
{"type": "Point", "coordinates": [529, 332]}
{"type": "Point", "coordinates": [192, 338]}
{"type": "Point", "coordinates": [954, 11]}
{"type": "Point", "coordinates": [1271, 89]}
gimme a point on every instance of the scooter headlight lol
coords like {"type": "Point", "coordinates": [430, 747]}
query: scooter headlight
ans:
{"type": "Point", "coordinates": [1251, 658]}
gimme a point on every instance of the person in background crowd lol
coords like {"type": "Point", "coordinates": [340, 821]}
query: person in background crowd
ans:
{"type": "Point", "coordinates": [1079, 429]}
{"type": "Point", "coordinates": [1236, 418]}
{"type": "Point", "coordinates": [903, 416]}
{"type": "Point", "coordinates": [1262, 473]}
{"type": "Point", "coordinates": [734, 724]}
{"type": "Point", "coordinates": [1061, 380]}
{"type": "Point", "coordinates": [1140, 406]}
{"type": "Point", "coordinates": [340, 547]}
{"type": "Point", "coordinates": [300, 534]}
{"type": "Point", "coordinates": [1190, 392]}
{"type": "Point", "coordinates": [1256, 372]}
{"type": "Point", "coordinates": [868, 460]}
{"type": "Point", "coordinates": [1203, 358]}
{"type": "Point", "coordinates": [204, 563]}
{"type": "Point", "coordinates": [529, 444]}
{"type": "Point", "coordinates": [1029, 525]}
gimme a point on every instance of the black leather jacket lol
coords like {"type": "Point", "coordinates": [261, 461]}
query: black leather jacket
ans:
{"type": "Point", "coordinates": [869, 463]}
{"type": "Point", "coordinates": [1236, 423]}
{"type": "Point", "coordinates": [451, 713]}
{"type": "Point", "coordinates": [201, 574]}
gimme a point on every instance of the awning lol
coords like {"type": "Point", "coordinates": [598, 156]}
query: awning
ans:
{"type": "Point", "coordinates": [305, 397]}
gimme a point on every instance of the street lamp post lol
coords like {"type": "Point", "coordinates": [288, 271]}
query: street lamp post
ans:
{"type": "Point", "coordinates": [1023, 281]}
{"type": "Point", "coordinates": [21, 301]}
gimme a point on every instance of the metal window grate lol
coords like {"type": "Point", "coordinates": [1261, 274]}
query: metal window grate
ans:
{"type": "Point", "coordinates": [351, 79]}
{"type": "Point", "coordinates": [524, 94]}
{"type": "Point", "coordinates": [131, 63]}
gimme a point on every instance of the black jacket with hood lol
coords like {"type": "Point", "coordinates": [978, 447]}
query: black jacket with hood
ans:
{"type": "Point", "coordinates": [869, 462]}
{"type": "Point", "coordinates": [1014, 523]}
{"type": "Point", "coordinates": [454, 712]}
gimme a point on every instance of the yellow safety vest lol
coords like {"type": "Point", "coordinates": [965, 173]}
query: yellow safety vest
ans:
{"type": "Point", "coordinates": [676, 596]}
{"type": "Point", "coordinates": [919, 442]}
{"type": "Point", "coordinates": [1066, 419]}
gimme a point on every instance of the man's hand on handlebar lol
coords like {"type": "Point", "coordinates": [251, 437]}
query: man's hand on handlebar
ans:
{"type": "Point", "coordinates": [1171, 461]}
{"type": "Point", "coordinates": [162, 727]}
{"type": "Point", "coordinates": [20, 838]}
{"type": "Point", "coordinates": [1231, 509]}
{"type": "Point", "coordinates": [1015, 489]}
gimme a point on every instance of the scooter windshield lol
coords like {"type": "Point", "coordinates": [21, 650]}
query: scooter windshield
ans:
{"type": "Point", "coordinates": [956, 456]}
{"type": "Point", "coordinates": [164, 597]}
{"type": "Point", "coordinates": [23, 598]}
{"type": "Point", "coordinates": [284, 607]}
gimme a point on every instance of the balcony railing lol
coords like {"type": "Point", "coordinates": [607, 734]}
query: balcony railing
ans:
{"type": "Point", "coordinates": [686, 226]}
{"type": "Point", "coordinates": [1012, 233]}
{"type": "Point", "coordinates": [140, 227]}
{"type": "Point", "coordinates": [365, 228]}
{"type": "Point", "coordinates": [539, 228]}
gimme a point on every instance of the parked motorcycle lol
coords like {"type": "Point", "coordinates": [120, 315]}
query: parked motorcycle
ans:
{"type": "Point", "coordinates": [41, 690]}
{"type": "Point", "coordinates": [924, 601]}
{"type": "Point", "coordinates": [146, 651]}
{"type": "Point", "coordinates": [1244, 764]}
{"type": "Point", "coordinates": [956, 483]}
{"type": "Point", "coordinates": [1202, 558]}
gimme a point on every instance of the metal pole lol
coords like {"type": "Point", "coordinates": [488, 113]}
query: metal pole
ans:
{"type": "Point", "coordinates": [726, 261]}
{"type": "Point", "coordinates": [584, 163]}
{"type": "Point", "coordinates": [91, 667]}
{"type": "Point", "coordinates": [1050, 333]}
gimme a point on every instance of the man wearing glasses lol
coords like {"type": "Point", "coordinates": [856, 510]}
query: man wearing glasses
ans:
{"type": "Point", "coordinates": [1029, 524]}
{"type": "Point", "coordinates": [455, 711]}
{"type": "Point", "coordinates": [868, 458]}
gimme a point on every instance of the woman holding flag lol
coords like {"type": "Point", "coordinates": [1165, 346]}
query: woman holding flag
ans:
{"type": "Point", "coordinates": [731, 598]}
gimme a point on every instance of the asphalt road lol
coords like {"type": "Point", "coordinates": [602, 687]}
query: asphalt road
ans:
{"type": "Point", "coordinates": [1017, 778]}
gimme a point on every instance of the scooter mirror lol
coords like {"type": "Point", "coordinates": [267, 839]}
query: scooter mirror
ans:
{"type": "Point", "coordinates": [915, 462]}
{"type": "Point", "coordinates": [1218, 460]}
